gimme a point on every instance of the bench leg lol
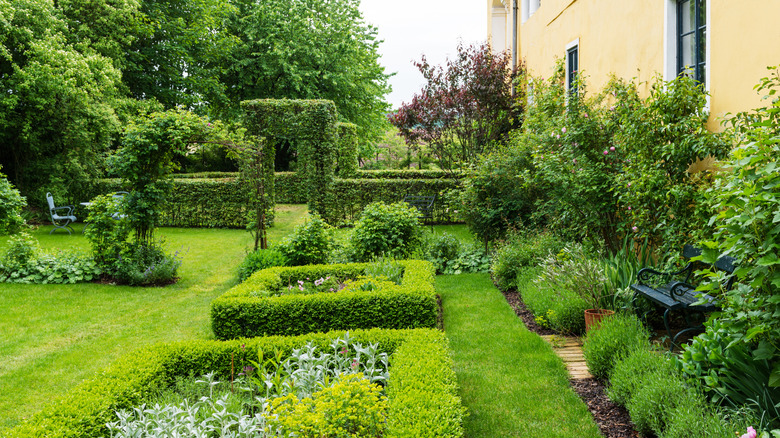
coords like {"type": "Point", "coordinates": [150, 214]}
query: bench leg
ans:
{"type": "Point", "coordinates": [668, 329]}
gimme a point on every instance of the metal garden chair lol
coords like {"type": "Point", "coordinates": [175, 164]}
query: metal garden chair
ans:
{"type": "Point", "coordinates": [60, 220]}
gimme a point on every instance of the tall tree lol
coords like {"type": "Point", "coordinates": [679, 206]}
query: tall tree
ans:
{"type": "Point", "coordinates": [308, 49]}
{"type": "Point", "coordinates": [57, 106]}
{"type": "Point", "coordinates": [463, 108]}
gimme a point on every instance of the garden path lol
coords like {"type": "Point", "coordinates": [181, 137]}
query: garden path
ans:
{"type": "Point", "coordinates": [569, 349]}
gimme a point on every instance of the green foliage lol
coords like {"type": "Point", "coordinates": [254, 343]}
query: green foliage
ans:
{"type": "Point", "coordinates": [353, 406]}
{"type": "Point", "coordinates": [145, 161]}
{"type": "Point", "coordinates": [11, 205]}
{"type": "Point", "coordinates": [746, 199]}
{"type": "Point", "coordinates": [731, 373]}
{"type": "Point", "coordinates": [309, 244]}
{"type": "Point", "coordinates": [308, 49]}
{"type": "Point", "coordinates": [24, 262]}
{"type": "Point", "coordinates": [105, 232]}
{"type": "Point", "coordinates": [57, 110]}
{"type": "Point", "coordinates": [347, 151]}
{"type": "Point", "coordinates": [390, 269]}
{"type": "Point", "coordinates": [440, 249]}
{"type": "Point", "coordinates": [259, 260]}
{"type": "Point", "coordinates": [518, 251]}
{"type": "Point", "coordinates": [578, 272]}
{"type": "Point", "coordinates": [562, 309]}
{"type": "Point", "coordinates": [422, 387]}
{"type": "Point", "coordinates": [621, 269]}
{"type": "Point", "coordinates": [386, 229]}
{"type": "Point", "coordinates": [311, 124]}
{"type": "Point", "coordinates": [629, 373]}
{"type": "Point", "coordinates": [663, 135]}
{"type": "Point", "coordinates": [496, 193]}
{"type": "Point", "coordinates": [614, 339]}
{"type": "Point", "coordinates": [248, 309]}
{"type": "Point", "coordinates": [471, 259]}
{"type": "Point", "coordinates": [145, 264]}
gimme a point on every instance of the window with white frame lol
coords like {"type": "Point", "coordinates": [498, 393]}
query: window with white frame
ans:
{"type": "Point", "coordinates": [686, 45]}
{"type": "Point", "coordinates": [572, 65]}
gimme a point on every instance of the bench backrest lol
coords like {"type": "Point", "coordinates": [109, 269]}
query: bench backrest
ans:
{"type": "Point", "coordinates": [724, 263]}
{"type": "Point", "coordinates": [423, 203]}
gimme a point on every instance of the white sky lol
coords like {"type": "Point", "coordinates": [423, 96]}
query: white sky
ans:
{"type": "Point", "coordinates": [411, 28]}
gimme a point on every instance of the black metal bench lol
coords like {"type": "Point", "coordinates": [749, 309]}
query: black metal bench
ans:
{"type": "Point", "coordinates": [423, 204]}
{"type": "Point", "coordinates": [675, 292]}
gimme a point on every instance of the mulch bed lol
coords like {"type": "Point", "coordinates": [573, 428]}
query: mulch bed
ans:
{"type": "Point", "coordinates": [613, 419]}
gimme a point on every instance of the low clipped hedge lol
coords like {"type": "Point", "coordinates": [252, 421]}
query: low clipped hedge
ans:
{"type": "Point", "coordinates": [422, 396]}
{"type": "Point", "coordinates": [222, 202]}
{"type": "Point", "coordinates": [237, 313]}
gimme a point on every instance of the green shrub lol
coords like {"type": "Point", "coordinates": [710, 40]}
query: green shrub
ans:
{"type": "Point", "coordinates": [23, 262]}
{"type": "Point", "coordinates": [107, 235]}
{"type": "Point", "coordinates": [697, 420]}
{"type": "Point", "coordinates": [471, 259]}
{"type": "Point", "coordinates": [11, 205]}
{"type": "Point", "coordinates": [440, 249]}
{"type": "Point", "coordinates": [386, 229]}
{"type": "Point", "coordinates": [611, 341]}
{"type": "Point", "coordinates": [656, 398]}
{"type": "Point", "coordinates": [630, 372]}
{"type": "Point", "coordinates": [309, 244]}
{"type": "Point", "coordinates": [259, 260]}
{"type": "Point", "coordinates": [562, 310]}
{"type": "Point", "coordinates": [520, 250]}
{"type": "Point", "coordinates": [248, 309]}
{"type": "Point", "coordinates": [422, 392]}
{"type": "Point", "coordinates": [144, 264]}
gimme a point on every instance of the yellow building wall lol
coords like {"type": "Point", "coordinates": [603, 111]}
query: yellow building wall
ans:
{"type": "Point", "coordinates": [615, 36]}
{"type": "Point", "coordinates": [626, 37]}
{"type": "Point", "coordinates": [745, 39]}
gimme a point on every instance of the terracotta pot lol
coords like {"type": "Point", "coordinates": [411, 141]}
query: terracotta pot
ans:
{"type": "Point", "coordinates": [593, 317]}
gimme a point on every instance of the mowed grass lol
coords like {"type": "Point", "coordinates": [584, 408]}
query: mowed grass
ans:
{"type": "Point", "coordinates": [511, 381]}
{"type": "Point", "coordinates": [54, 336]}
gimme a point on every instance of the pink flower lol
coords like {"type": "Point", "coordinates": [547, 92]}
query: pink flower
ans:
{"type": "Point", "coordinates": [574, 161]}
{"type": "Point", "coordinates": [563, 130]}
{"type": "Point", "coordinates": [612, 148]}
{"type": "Point", "coordinates": [629, 207]}
{"type": "Point", "coordinates": [751, 433]}
{"type": "Point", "coordinates": [635, 229]}
{"type": "Point", "coordinates": [585, 115]}
{"type": "Point", "coordinates": [629, 184]}
{"type": "Point", "coordinates": [557, 135]}
{"type": "Point", "coordinates": [606, 152]}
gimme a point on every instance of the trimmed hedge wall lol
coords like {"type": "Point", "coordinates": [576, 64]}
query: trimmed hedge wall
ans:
{"type": "Point", "coordinates": [422, 396]}
{"type": "Point", "coordinates": [237, 314]}
{"type": "Point", "coordinates": [222, 202]}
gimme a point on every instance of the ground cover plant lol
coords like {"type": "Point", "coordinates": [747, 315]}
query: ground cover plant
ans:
{"type": "Point", "coordinates": [421, 389]}
{"type": "Point", "coordinates": [297, 300]}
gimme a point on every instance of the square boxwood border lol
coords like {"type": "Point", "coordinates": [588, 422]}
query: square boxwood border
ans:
{"type": "Point", "coordinates": [422, 390]}
{"type": "Point", "coordinates": [237, 314]}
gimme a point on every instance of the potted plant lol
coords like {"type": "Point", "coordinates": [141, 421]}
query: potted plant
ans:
{"type": "Point", "coordinates": [574, 270]}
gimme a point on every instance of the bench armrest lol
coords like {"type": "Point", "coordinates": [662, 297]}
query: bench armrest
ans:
{"type": "Point", "coordinates": [680, 288]}
{"type": "Point", "coordinates": [646, 274]}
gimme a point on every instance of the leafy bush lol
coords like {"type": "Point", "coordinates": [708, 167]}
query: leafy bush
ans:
{"type": "Point", "coordinates": [259, 260]}
{"type": "Point", "coordinates": [249, 309]}
{"type": "Point", "coordinates": [386, 229]}
{"type": "Point", "coordinates": [578, 272]}
{"type": "Point", "coordinates": [630, 372]}
{"type": "Point", "coordinates": [561, 310]}
{"type": "Point", "coordinates": [11, 205]}
{"type": "Point", "coordinates": [731, 373]}
{"type": "Point", "coordinates": [613, 340]}
{"type": "Point", "coordinates": [471, 258]}
{"type": "Point", "coordinates": [387, 268]}
{"type": "Point", "coordinates": [23, 262]}
{"type": "Point", "coordinates": [107, 235]}
{"type": "Point", "coordinates": [518, 251]}
{"type": "Point", "coordinates": [309, 244]}
{"type": "Point", "coordinates": [440, 249]}
{"type": "Point", "coordinates": [145, 264]}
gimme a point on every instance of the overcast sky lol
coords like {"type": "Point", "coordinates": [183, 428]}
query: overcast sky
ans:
{"type": "Point", "coordinates": [411, 28]}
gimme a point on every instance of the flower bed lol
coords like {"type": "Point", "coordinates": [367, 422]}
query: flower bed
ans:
{"type": "Point", "coordinates": [421, 392]}
{"type": "Point", "coordinates": [249, 309]}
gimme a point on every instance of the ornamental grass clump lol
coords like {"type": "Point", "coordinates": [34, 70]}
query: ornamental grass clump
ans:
{"type": "Point", "coordinates": [576, 271]}
{"type": "Point", "coordinates": [613, 340]}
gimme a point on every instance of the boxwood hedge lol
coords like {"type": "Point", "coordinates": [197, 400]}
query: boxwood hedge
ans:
{"type": "Point", "coordinates": [237, 313]}
{"type": "Point", "coordinates": [422, 396]}
{"type": "Point", "coordinates": [218, 200]}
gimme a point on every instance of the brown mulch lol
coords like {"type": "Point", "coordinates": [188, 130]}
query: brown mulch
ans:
{"type": "Point", "coordinates": [613, 419]}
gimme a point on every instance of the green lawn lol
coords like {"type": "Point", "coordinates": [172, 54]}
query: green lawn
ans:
{"type": "Point", "coordinates": [511, 381]}
{"type": "Point", "coordinates": [54, 336]}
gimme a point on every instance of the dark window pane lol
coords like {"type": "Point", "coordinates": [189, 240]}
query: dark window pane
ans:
{"type": "Point", "coordinates": [702, 12]}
